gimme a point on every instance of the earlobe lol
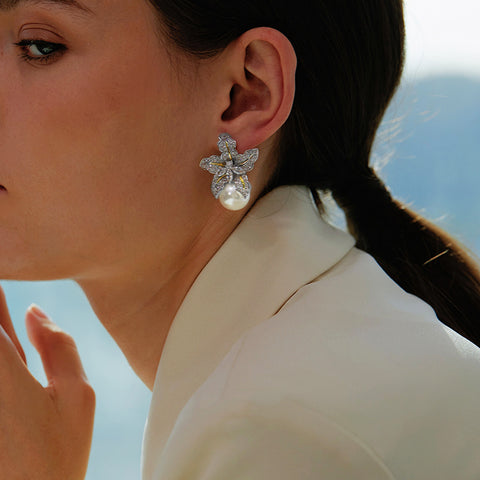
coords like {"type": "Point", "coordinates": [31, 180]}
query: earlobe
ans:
{"type": "Point", "coordinates": [262, 93]}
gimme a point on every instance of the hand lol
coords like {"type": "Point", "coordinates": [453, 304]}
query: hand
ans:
{"type": "Point", "coordinates": [45, 432]}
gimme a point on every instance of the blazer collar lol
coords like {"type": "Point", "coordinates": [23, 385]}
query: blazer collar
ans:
{"type": "Point", "coordinates": [280, 245]}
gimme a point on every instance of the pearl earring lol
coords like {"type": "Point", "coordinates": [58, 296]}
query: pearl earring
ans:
{"type": "Point", "coordinates": [230, 183]}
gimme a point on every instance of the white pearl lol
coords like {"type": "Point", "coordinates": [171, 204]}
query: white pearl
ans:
{"type": "Point", "coordinates": [231, 199]}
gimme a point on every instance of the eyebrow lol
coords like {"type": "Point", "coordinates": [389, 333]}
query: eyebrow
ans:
{"type": "Point", "coordinates": [10, 4]}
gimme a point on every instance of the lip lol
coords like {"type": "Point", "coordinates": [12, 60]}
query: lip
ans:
{"type": "Point", "coordinates": [2, 189]}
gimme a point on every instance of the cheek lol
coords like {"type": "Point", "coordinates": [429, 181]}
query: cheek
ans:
{"type": "Point", "coordinates": [96, 130]}
{"type": "Point", "coordinates": [84, 154]}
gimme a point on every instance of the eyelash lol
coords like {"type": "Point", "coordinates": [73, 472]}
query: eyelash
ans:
{"type": "Point", "coordinates": [58, 50]}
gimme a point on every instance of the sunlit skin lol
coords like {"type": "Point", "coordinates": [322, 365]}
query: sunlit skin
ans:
{"type": "Point", "coordinates": [102, 128]}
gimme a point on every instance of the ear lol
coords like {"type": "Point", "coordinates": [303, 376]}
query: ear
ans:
{"type": "Point", "coordinates": [260, 89]}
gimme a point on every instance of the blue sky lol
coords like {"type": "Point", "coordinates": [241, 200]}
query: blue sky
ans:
{"type": "Point", "coordinates": [442, 37]}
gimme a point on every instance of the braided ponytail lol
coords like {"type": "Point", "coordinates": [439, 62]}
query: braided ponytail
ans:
{"type": "Point", "coordinates": [350, 59]}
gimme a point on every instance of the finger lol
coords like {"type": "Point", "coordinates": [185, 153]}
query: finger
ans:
{"type": "Point", "coordinates": [6, 323]}
{"type": "Point", "coordinates": [73, 396]}
{"type": "Point", "coordinates": [11, 365]}
{"type": "Point", "coordinates": [56, 348]}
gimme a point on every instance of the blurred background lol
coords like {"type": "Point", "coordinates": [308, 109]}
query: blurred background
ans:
{"type": "Point", "coordinates": [431, 139]}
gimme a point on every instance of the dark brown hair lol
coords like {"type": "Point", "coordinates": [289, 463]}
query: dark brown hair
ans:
{"type": "Point", "coordinates": [350, 58]}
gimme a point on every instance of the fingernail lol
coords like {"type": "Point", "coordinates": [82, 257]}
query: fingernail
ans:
{"type": "Point", "coordinates": [37, 312]}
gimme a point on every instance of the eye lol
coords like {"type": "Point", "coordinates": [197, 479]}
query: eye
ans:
{"type": "Point", "coordinates": [40, 51]}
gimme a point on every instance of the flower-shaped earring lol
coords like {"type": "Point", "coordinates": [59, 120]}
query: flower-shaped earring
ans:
{"type": "Point", "coordinates": [230, 183]}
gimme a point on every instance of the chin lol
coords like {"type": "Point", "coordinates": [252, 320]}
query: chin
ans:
{"type": "Point", "coordinates": [17, 266]}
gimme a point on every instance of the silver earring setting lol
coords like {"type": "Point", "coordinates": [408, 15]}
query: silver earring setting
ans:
{"type": "Point", "coordinates": [230, 183]}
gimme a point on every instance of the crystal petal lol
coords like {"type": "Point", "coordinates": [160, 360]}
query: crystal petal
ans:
{"type": "Point", "coordinates": [212, 164]}
{"type": "Point", "coordinates": [242, 185]}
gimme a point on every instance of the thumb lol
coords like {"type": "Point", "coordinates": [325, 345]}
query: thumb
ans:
{"type": "Point", "coordinates": [56, 348]}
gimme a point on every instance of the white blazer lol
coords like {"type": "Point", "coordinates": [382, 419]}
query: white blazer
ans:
{"type": "Point", "coordinates": [295, 357]}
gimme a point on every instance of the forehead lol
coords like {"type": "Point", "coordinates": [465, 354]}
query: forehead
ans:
{"type": "Point", "coordinates": [75, 4]}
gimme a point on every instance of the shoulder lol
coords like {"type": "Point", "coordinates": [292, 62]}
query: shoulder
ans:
{"type": "Point", "coordinates": [354, 339]}
{"type": "Point", "coordinates": [353, 319]}
{"type": "Point", "coordinates": [351, 367]}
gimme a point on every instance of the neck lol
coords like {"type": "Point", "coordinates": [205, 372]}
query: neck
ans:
{"type": "Point", "coordinates": [138, 305]}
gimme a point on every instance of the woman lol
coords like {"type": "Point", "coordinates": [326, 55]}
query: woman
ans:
{"type": "Point", "coordinates": [290, 353]}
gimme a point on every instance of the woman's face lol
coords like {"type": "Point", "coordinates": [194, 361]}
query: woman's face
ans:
{"type": "Point", "coordinates": [100, 139]}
